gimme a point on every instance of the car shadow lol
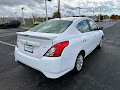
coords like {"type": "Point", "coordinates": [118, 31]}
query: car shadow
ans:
{"type": "Point", "coordinates": [71, 78]}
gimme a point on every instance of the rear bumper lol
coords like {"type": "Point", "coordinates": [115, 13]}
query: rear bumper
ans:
{"type": "Point", "coordinates": [51, 67]}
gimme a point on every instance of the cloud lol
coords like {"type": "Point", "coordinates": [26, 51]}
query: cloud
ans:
{"type": "Point", "coordinates": [19, 2]}
{"type": "Point", "coordinates": [68, 7]}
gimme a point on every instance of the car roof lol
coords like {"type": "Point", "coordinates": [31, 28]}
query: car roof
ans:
{"type": "Point", "coordinates": [71, 18]}
{"type": "Point", "coordinates": [12, 20]}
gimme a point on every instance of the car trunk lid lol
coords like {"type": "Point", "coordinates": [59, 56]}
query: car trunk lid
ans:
{"type": "Point", "coordinates": [34, 43]}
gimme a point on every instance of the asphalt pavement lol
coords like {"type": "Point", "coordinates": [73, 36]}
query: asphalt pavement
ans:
{"type": "Point", "coordinates": [101, 70]}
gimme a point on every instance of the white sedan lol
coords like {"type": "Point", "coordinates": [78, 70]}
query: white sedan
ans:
{"type": "Point", "coordinates": [58, 46]}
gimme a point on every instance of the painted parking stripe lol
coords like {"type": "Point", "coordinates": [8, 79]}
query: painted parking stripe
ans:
{"type": "Point", "coordinates": [7, 44]}
{"type": "Point", "coordinates": [5, 36]}
{"type": "Point", "coordinates": [8, 34]}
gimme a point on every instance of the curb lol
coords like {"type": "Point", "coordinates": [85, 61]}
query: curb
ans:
{"type": "Point", "coordinates": [25, 27]}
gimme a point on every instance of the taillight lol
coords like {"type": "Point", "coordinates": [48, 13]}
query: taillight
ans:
{"type": "Point", "coordinates": [57, 49]}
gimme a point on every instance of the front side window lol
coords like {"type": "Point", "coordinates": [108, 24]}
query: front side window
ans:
{"type": "Point", "coordinates": [52, 26]}
{"type": "Point", "coordinates": [8, 21]}
{"type": "Point", "coordinates": [83, 26]}
{"type": "Point", "coordinates": [93, 26]}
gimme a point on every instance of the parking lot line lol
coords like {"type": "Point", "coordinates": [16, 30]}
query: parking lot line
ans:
{"type": "Point", "coordinates": [7, 44]}
{"type": "Point", "coordinates": [9, 34]}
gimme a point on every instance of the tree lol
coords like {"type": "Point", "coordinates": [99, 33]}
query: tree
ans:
{"type": "Point", "coordinates": [114, 16]}
{"type": "Point", "coordinates": [106, 17]}
{"type": "Point", "coordinates": [82, 16]}
{"type": "Point", "coordinates": [118, 17]}
{"type": "Point", "coordinates": [56, 15]}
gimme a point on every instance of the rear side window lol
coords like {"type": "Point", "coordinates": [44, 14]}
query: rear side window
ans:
{"type": "Point", "coordinates": [93, 26]}
{"type": "Point", "coordinates": [83, 26]}
{"type": "Point", "coordinates": [52, 26]}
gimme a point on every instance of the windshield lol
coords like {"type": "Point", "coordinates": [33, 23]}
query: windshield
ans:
{"type": "Point", "coordinates": [52, 26]}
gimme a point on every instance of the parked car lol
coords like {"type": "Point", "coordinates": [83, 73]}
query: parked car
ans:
{"type": "Point", "coordinates": [96, 20]}
{"type": "Point", "coordinates": [10, 23]}
{"type": "Point", "coordinates": [58, 46]}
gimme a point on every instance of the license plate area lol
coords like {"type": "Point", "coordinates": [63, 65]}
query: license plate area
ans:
{"type": "Point", "coordinates": [28, 48]}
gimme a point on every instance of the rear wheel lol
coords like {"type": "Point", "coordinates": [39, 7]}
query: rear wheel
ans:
{"type": "Point", "coordinates": [100, 45]}
{"type": "Point", "coordinates": [79, 62]}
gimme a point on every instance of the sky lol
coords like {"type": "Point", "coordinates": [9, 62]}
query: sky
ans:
{"type": "Point", "coordinates": [68, 7]}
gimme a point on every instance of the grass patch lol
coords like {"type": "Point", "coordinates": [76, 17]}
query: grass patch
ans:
{"type": "Point", "coordinates": [28, 26]}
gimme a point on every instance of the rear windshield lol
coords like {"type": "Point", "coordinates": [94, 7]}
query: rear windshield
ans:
{"type": "Point", "coordinates": [52, 26]}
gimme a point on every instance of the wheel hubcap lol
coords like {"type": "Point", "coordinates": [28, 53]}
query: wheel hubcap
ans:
{"type": "Point", "coordinates": [79, 62]}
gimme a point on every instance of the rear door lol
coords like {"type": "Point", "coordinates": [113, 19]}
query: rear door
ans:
{"type": "Point", "coordinates": [86, 36]}
{"type": "Point", "coordinates": [94, 29]}
{"type": "Point", "coordinates": [8, 24]}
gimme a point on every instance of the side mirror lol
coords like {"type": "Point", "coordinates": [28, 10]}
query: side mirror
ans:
{"type": "Point", "coordinates": [100, 28]}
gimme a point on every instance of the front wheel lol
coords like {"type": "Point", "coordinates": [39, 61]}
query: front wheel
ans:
{"type": "Point", "coordinates": [79, 62]}
{"type": "Point", "coordinates": [16, 26]}
{"type": "Point", "coordinates": [3, 27]}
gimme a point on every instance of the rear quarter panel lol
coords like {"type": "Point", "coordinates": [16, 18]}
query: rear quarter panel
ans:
{"type": "Point", "coordinates": [70, 52]}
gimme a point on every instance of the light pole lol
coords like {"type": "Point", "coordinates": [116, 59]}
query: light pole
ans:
{"type": "Point", "coordinates": [59, 9]}
{"type": "Point", "coordinates": [16, 15]}
{"type": "Point", "coordinates": [87, 9]}
{"type": "Point", "coordinates": [109, 14]}
{"type": "Point", "coordinates": [100, 15]}
{"type": "Point", "coordinates": [23, 16]}
{"type": "Point", "coordinates": [104, 15]}
{"type": "Point", "coordinates": [93, 15]}
{"type": "Point", "coordinates": [46, 10]}
{"type": "Point", "coordinates": [118, 3]}
{"type": "Point", "coordinates": [79, 10]}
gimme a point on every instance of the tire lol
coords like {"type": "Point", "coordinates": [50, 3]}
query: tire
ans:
{"type": "Point", "coordinates": [3, 27]}
{"type": "Point", "coordinates": [79, 62]}
{"type": "Point", "coordinates": [100, 45]}
{"type": "Point", "coordinates": [16, 26]}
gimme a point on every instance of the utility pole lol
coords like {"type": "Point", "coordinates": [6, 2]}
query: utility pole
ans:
{"type": "Point", "coordinates": [23, 16]}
